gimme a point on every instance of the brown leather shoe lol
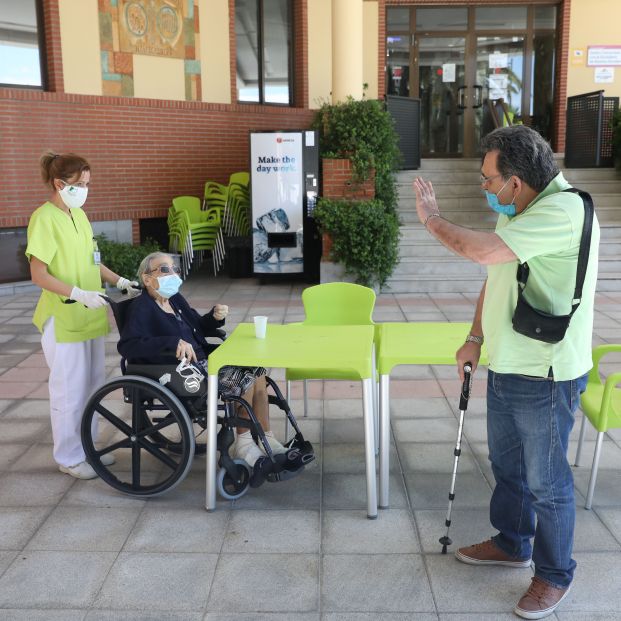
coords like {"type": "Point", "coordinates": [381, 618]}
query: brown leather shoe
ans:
{"type": "Point", "coordinates": [540, 600]}
{"type": "Point", "coordinates": [488, 553]}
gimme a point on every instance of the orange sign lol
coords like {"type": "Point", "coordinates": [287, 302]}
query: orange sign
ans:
{"type": "Point", "coordinates": [153, 27]}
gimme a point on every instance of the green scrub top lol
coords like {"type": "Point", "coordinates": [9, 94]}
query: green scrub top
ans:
{"type": "Point", "coordinates": [66, 246]}
{"type": "Point", "coordinates": [546, 234]}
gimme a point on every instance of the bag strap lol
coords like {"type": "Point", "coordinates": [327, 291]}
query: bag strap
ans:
{"type": "Point", "coordinates": [583, 254]}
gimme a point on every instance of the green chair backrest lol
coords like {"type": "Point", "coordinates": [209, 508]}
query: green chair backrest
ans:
{"type": "Point", "coordinates": [338, 303]}
{"type": "Point", "coordinates": [601, 401]}
{"type": "Point", "coordinates": [191, 205]}
{"type": "Point", "coordinates": [243, 178]}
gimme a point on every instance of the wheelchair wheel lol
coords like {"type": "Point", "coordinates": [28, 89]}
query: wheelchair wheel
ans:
{"type": "Point", "coordinates": [171, 439]}
{"type": "Point", "coordinates": [229, 488]}
{"type": "Point", "coordinates": [135, 418]}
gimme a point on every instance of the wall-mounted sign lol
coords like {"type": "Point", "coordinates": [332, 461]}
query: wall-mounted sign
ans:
{"type": "Point", "coordinates": [604, 75]}
{"type": "Point", "coordinates": [604, 56]}
{"type": "Point", "coordinates": [153, 27]}
{"type": "Point", "coordinates": [498, 60]}
{"type": "Point", "coordinates": [578, 56]}
{"type": "Point", "coordinates": [448, 72]}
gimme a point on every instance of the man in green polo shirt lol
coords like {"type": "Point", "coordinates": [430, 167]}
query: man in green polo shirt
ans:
{"type": "Point", "coordinates": [533, 387]}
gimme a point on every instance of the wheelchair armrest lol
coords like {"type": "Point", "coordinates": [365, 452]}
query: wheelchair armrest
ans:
{"type": "Point", "coordinates": [218, 333]}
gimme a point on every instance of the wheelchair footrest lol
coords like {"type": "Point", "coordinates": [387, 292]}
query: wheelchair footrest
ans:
{"type": "Point", "coordinates": [284, 466]}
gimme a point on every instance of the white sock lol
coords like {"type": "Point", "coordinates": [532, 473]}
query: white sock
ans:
{"type": "Point", "coordinates": [276, 446]}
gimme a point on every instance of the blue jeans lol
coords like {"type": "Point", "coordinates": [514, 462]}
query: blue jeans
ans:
{"type": "Point", "coordinates": [529, 420]}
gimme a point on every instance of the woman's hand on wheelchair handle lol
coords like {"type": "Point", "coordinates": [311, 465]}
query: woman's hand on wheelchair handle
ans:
{"type": "Point", "coordinates": [185, 350]}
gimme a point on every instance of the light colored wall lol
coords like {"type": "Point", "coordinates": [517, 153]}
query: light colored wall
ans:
{"type": "Point", "coordinates": [319, 52]}
{"type": "Point", "coordinates": [79, 32]}
{"type": "Point", "coordinates": [370, 58]}
{"type": "Point", "coordinates": [159, 78]}
{"type": "Point", "coordinates": [593, 22]}
{"type": "Point", "coordinates": [215, 51]}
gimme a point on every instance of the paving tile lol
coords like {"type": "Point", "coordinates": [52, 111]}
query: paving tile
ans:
{"type": "Point", "coordinates": [33, 409]}
{"type": "Point", "coordinates": [349, 532]}
{"type": "Point", "coordinates": [404, 389]}
{"type": "Point", "coordinates": [350, 458]}
{"type": "Point", "coordinates": [18, 525]}
{"type": "Point", "coordinates": [96, 493]}
{"type": "Point", "coordinates": [72, 528]}
{"type": "Point", "coordinates": [195, 530]}
{"type": "Point", "coordinates": [348, 491]}
{"type": "Point", "coordinates": [152, 582]}
{"type": "Point", "coordinates": [612, 520]}
{"type": "Point", "coordinates": [495, 616]}
{"type": "Point", "coordinates": [462, 588]}
{"type": "Point", "coordinates": [592, 535]}
{"type": "Point", "coordinates": [587, 616]}
{"type": "Point", "coordinates": [468, 526]}
{"type": "Point", "coordinates": [343, 430]}
{"type": "Point", "coordinates": [29, 614]}
{"type": "Point", "coordinates": [145, 615]}
{"type": "Point", "coordinates": [9, 454]}
{"type": "Point", "coordinates": [302, 492]}
{"type": "Point", "coordinates": [430, 491]}
{"type": "Point", "coordinates": [261, 616]}
{"type": "Point", "coordinates": [434, 457]}
{"type": "Point", "coordinates": [265, 583]}
{"type": "Point", "coordinates": [273, 532]}
{"type": "Point", "coordinates": [375, 582]}
{"type": "Point", "coordinates": [432, 408]}
{"type": "Point", "coordinates": [607, 488]}
{"type": "Point", "coordinates": [32, 490]}
{"type": "Point", "coordinates": [17, 390]}
{"type": "Point", "coordinates": [425, 430]}
{"type": "Point", "coordinates": [22, 431]}
{"type": "Point", "coordinates": [30, 374]}
{"type": "Point", "coordinates": [38, 458]}
{"type": "Point", "coordinates": [589, 592]}
{"type": "Point", "coordinates": [6, 404]}
{"type": "Point", "coordinates": [378, 616]}
{"type": "Point", "coordinates": [343, 390]}
{"type": "Point", "coordinates": [610, 457]}
{"type": "Point", "coordinates": [343, 408]}
{"type": "Point", "coordinates": [54, 579]}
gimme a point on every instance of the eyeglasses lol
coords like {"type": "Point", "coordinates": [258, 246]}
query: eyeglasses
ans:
{"type": "Point", "coordinates": [484, 180]}
{"type": "Point", "coordinates": [166, 269]}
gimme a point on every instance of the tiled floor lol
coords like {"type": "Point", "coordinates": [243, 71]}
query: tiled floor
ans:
{"type": "Point", "coordinates": [77, 550]}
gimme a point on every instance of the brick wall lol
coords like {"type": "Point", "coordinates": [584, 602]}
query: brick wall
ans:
{"type": "Point", "coordinates": [337, 181]}
{"type": "Point", "coordinates": [142, 151]}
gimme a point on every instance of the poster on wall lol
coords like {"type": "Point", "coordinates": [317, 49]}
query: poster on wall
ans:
{"type": "Point", "coordinates": [277, 202]}
{"type": "Point", "coordinates": [604, 56]}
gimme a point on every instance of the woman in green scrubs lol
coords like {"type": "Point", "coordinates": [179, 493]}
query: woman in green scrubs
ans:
{"type": "Point", "coordinates": [71, 313]}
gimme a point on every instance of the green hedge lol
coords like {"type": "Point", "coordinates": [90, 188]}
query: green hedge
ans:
{"type": "Point", "coordinates": [365, 237]}
{"type": "Point", "coordinates": [124, 258]}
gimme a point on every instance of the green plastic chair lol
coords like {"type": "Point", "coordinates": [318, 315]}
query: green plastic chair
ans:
{"type": "Point", "coordinates": [241, 178]}
{"type": "Point", "coordinates": [601, 404]}
{"type": "Point", "coordinates": [334, 304]}
{"type": "Point", "coordinates": [193, 231]}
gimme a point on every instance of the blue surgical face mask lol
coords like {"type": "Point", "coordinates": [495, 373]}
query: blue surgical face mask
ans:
{"type": "Point", "coordinates": [495, 204]}
{"type": "Point", "coordinates": [169, 285]}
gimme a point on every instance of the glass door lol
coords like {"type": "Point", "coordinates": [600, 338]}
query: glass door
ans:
{"type": "Point", "coordinates": [498, 88]}
{"type": "Point", "coordinates": [441, 88]}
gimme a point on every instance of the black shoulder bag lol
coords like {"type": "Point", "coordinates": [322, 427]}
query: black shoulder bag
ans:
{"type": "Point", "coordinates": [536, 324]}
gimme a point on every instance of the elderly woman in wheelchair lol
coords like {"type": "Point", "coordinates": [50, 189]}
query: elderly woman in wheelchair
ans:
{"type": "Point", "coordinates": [152, 417]}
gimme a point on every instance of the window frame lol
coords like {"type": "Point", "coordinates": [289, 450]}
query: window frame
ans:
{"type": "Point", "coordinates": [260, 60]}
{"type": "Point", "coordinates": [41, 41]}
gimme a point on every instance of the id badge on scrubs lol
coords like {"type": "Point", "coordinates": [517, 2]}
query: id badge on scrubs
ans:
{"type": "Point", "coordinates": [96, 253]}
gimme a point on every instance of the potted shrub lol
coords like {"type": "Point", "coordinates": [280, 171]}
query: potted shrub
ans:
{"type": "Point", "coordinates": [363, 132]}
{"type": "Point", "coordinates": [364, 236]}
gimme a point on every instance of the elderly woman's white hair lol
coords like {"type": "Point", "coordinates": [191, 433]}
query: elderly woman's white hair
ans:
{"type": "Point", "coordinates": [145, 264]}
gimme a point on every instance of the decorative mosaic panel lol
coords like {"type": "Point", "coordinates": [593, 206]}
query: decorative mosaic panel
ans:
{"type": "Point", "coordinates": [168, 28]}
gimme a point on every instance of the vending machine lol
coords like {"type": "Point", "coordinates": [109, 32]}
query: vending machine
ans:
{"type": "Point", "coordinates": [284, 183]}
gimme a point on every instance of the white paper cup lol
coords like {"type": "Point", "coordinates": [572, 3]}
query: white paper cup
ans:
{"type": "Point", "coordinates": [260, 326]}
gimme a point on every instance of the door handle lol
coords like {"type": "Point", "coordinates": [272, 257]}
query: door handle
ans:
{"type": "Point", "coordinates": [461, 97]}
{"type": "Point", "coordinates": [478, 96]}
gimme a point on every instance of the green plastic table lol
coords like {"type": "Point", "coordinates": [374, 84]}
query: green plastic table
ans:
{"type": "Point", "coordinates": [411, 343]}
{"type": "Point", "coordinates": [297, 346]}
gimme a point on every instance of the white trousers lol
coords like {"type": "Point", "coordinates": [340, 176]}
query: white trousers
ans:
{"type": "Point", "coordinates": [76, 369]}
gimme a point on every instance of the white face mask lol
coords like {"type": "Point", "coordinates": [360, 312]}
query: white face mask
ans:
{"type": "Point", "coordinates": [74, 196]}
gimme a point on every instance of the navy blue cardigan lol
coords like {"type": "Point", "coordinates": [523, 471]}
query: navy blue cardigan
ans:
{"type": "Point", "coordinates": [150, 335]}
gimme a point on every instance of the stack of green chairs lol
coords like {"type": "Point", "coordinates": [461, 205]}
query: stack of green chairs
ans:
{"type": "Point", "coordinates": [233, 202]}
{"type": "Point", "coordinates": [192, 231]}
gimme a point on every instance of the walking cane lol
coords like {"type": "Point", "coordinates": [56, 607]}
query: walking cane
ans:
{"type": "Point", "coordinates": [463, 406]}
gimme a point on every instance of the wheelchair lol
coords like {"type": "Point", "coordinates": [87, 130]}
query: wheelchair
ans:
{"type": "Point", "coordinates": [153, 418]}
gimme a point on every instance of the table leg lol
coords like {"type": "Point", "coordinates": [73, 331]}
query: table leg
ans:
{"type": "Point", "coordinates": [384, 448]}
{"type": "Point", "coordinates": [369, 447]}
{"type": "Point", "coordinates": [212, 423]}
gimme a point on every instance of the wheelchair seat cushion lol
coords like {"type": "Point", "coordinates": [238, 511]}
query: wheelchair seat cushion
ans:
{"type": "Point", "coordinates": [183, 381]}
